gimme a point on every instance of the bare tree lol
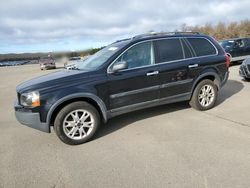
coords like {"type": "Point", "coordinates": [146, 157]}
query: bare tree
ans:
{"type": "Point", "coordinates": [221, 30]}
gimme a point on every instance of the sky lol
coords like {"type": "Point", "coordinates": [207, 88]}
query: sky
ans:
{"type": "Point", "coordinates": [69, 25]}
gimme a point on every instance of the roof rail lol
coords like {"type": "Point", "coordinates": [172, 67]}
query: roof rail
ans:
{"type": "Point", "coordinates": [165, 33]}
{"type": "Point", "coordinates": [121, 40]}
{"type": "Point", "coordinates": [186, 32]}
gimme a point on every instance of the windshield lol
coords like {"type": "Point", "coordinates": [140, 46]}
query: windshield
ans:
{"type": "Point", "coordinates": [74, 58]}
{"type": "Point", "coordinates": [46, 59]}
{"type": "Point", "coordinates": [227, 44]}
{"type": "Point", "coordinates": [98, 59]}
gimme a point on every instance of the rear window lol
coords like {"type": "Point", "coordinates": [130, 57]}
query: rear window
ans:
{"type": "Point", "coordinates": [169, 50]}
{"type": "Point", "coordinates": [201, 46]}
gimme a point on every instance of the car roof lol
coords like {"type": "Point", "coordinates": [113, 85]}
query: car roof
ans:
{"type": "Point", "coordinates": [151, 36]}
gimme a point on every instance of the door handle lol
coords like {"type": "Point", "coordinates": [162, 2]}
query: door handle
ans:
{"type": "Point", "coordinates": [193, 66]}
{"type": "Point", "coordinates": [152, 73]}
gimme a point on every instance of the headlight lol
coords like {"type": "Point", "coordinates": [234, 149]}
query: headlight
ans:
{"type": "Point", "coordinates": [31, 99]}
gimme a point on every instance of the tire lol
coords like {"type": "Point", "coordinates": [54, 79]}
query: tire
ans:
{"type": "Point", "coordinates": [247, 79]}
{"type": "Point", "coordinates": [79, 130]}
{"type": "Point", "coordinates": [202, 99]}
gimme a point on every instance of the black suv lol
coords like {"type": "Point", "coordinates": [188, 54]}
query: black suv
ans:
{"type": "Point", "coordinates": [238, 49]}
{"type": "Point", "coordinates": [128, 75]}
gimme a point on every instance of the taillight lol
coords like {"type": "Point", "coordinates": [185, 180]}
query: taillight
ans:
{"type": "Point", "coordinates": [227, 60]}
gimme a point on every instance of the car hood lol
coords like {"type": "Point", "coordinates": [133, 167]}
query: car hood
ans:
{"type": "Point", "coordinates": [54, 80]}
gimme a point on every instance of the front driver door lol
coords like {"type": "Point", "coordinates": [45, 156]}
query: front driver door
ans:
{"type": "Point", "coordinates": [136, 85]}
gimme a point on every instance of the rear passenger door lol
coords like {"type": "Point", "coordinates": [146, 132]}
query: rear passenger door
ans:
{"type": "Point", "coordinates": [205, 55]}
{"type": "Point", "coordinates": [173, 65]}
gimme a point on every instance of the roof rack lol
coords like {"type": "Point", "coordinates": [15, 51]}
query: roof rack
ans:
{"type": "Point", "coordinates": [121, 40]}
{"type": "Point", "coordinates": [186, 32]}
{"type": "Point", "coordinates": [165, 33]}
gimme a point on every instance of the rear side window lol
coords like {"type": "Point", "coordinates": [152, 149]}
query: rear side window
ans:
{"type": "Point", "coordinates": [169, 50]}
{"type": "Point", "coordinates": [201, 46]}
{"type": "Point", "coordinates": [248, 42]}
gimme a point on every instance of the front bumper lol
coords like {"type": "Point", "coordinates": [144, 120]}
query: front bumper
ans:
{"type": "Point", "coordinates": [30, 119]}
{"type": "Point", "coordinates": [47, 66]}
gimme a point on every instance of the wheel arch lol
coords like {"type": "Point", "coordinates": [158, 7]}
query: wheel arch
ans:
{"type": "Point", "coordinates": [86, 97]}
{"type": "Point", "coordinates": [208, 75]}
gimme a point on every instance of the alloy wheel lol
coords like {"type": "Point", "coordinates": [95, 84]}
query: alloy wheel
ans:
{"type": "Point", "coordinates": [206, 95]}
{"type": "Point", "coordinates": [78, 124]}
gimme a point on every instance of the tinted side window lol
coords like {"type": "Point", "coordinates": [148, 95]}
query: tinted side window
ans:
{"type": "Point", "coordinates": [169, 50]}
{"type": "Point", "coordinates": [247, 42]}
{"type": "Point", "coordinates": [139, 55]}
{"type": "Point", "coordinates": [201, 46]}
{"type": "Point", "coordinates": [240, 43]}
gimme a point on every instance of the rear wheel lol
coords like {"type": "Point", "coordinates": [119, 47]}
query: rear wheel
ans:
{"type": "Point", "coordinates": [204, 95]}
{"type": "Point", "coordinates": [77, 123]}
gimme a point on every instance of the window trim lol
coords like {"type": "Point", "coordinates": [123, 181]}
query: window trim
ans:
{"type": "Point", "coordinates": [191, 46]}
{"type": "Point", "coordinates": [182, 49]}
{"type": "Point", "coordinates": [156, 64]}
{"type": "Point", "coordinates": [113, 62]}
{"type": "Point", "coordinates": [184, 42]}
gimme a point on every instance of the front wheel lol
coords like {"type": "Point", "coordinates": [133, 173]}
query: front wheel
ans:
{"type": "Point", "coordinates": [247, 79]}
{"type": "Point", "coordinates": [77, 123]}
{"type": "Point", "coordinates": [204, 95]}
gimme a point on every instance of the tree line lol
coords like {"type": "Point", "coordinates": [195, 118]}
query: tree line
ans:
{"type": "Point", "coordinates": [36, 56]}
{"type": "Point", "coordinates": [221, 30]}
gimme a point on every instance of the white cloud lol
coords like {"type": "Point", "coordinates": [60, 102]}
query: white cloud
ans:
{"type": "Point", "coordinates": [30, 22]}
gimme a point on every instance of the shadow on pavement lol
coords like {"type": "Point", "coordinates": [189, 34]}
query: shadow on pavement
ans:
{"type": "Point", "coordinates": [119, 122]}
{"type": "Point", "coordinates": [231, 88]}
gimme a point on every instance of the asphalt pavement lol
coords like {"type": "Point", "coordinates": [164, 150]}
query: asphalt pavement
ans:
{"type": "Point", "coordinates": [167, 146]}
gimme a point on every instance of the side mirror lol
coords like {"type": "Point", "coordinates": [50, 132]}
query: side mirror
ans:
{"type": "Point", "coordinates": [118, 66]}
